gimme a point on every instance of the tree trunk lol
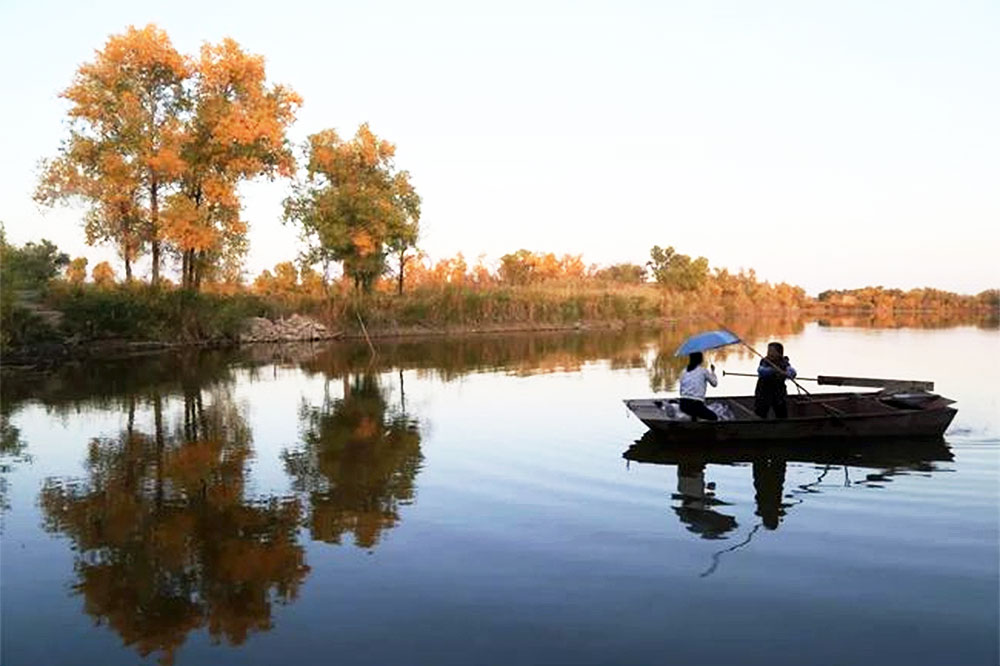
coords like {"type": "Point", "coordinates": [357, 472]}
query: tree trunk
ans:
{"type": "Point", "coordinates": [154, 222]}
{"type": "Point", "coordinates": [402, 265]}
{"type": "Point", "coordinates": [128, 268]}
{"type": "Point", "coordinates": [197, 270]}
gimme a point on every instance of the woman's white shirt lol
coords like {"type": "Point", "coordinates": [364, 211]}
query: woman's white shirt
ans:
{"type": "Point", "coordinates": [693, 383]}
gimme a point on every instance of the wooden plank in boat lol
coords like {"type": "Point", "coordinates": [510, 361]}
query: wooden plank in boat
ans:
{"type": "Point", "coordinates": [874, 382]}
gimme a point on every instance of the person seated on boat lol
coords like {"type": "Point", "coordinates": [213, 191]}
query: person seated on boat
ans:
{"type": "Point", "coordinates": [772, 372]}
{"type": "Point", "coordinates": [694, 381]}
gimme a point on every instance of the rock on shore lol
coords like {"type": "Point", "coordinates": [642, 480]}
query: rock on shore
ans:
{"type": "Point", "coordinates": [296, 327]}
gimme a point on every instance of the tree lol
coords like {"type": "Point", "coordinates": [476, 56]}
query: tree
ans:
{"type": "Point", "coordinates": [122, 148]}
{"type": "Point", "coordinates": [30, 266]}
{"type": "Point", "coordinates": [286, 277]}
{"type": "Point", "coordinates": [76, 272]}
{"type": "Point", "coordinates": [677, 270]}
{"type": "Point", "coordinates": [399, 245]}
{"type": "Point", "coordinates": [354, 207]}
{"type": "Point", "coordinates": [625, 273]}
{"type": "Point", "coordinates": [159, 144]}
{"type": "Point", "coordinates": [518, 268]}
{"type": "Point", "coordinates": [103, 274]}
{"type": "Point", "coordinates": [235, 132]}
{"type": "Point", "coordinates": [264, 283]}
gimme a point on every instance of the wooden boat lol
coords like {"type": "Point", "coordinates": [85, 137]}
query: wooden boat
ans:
{"type": "Point", "coordinates": [888, 413]}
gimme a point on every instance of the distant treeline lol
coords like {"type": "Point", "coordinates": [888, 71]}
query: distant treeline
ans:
{"type": "Point", "coordinates": [48, 296]}
{"type": "Point", "coordinates": [926, 299]}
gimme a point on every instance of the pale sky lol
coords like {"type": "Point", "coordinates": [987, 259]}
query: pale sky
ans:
{"type": "Point", "coordinates": [827, 144]}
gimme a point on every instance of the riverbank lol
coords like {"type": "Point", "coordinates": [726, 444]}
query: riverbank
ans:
{"type": "Point", "coordinates": [49, 354]}
{"type": "Point", "coordinates": [85, 322]}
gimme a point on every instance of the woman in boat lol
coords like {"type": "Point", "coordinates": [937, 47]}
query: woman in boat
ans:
{"type": "Point", "coordinates": [693, 385]}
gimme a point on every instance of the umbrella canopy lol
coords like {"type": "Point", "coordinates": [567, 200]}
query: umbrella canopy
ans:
{"type": "Point", "coordinates": [707, 340]}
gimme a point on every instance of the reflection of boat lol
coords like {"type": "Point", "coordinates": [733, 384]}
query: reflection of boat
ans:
{"type": "Point", "coordinates": [698, 499]}
{"type": "Point", "coordinates": [910, 454]}
{"type": "Point", "coordinates": [829, 415]}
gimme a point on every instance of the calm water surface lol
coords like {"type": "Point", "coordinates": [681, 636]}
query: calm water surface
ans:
{"type": "Point", "coordinates": [489, 501]}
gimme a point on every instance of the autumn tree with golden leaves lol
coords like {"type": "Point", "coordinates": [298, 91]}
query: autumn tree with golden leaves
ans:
{"type": "Point", "coordinates": [159, 143]}
{"type": "Point", "coordinates": [235, 132]}
{"type": "Point", "coordinates": [125, 127]}
{"type": "Point", "coordinates": [354, 206]}
{"type": "Point", "coordinates": [103, 275]}
{"type": "Point", "coordinates": [76, 271]}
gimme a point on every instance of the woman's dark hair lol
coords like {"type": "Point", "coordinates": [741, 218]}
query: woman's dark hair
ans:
{"type": "Point", "coordinates": [778, 346]}
{"type": "Point", "coordinates": [694, 360]}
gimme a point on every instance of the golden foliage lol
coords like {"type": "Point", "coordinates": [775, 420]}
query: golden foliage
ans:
{"type": "Point", "coordinates": [167, 542]}
{"type": "Point", "coordinates": [159, 143]}
{"type": "Point", "coordinates": [103, 275]}
{"type": "Point", "coordinates": [76, 272]}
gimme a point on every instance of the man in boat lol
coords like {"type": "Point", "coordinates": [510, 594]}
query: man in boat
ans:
{"type": "Point", "coordinates": [772, 372]}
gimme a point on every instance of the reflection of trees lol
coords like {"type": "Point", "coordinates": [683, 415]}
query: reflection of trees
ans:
{"type": "Point", "coordinates": [521, 353]}
{"type": "Point", "coordinates": [357, 462]}
{"type": "Point", "coordinates": [987, 319]}
{"type": "Point", "coordinates": [13, 449]}
{"type": "Point", "coordinates": [116, 383]}
{"type": "Point", "coordinates": [166, 541]}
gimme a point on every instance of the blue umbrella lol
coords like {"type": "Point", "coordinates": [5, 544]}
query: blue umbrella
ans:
{"type": "Point", "coordinates": [707, 340]}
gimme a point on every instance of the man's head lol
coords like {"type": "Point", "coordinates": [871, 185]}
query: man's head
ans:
{"type": "Point", "coordinates": [775, 351]}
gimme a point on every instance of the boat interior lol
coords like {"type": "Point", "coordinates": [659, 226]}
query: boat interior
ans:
{"type": "Point", "coordinates": [827, 404]}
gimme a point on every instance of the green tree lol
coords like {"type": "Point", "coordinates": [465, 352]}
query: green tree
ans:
{"type": "Point", "coordinates": [518, 268]}
{"type": "Point", "coordinates": [625, 273]}
{"type": "Point", "coordinates": [677, 271]}
{"type": "Point", "coordinates": [30, 266]}
{"type": "Point", "coordinates": [354, 206]}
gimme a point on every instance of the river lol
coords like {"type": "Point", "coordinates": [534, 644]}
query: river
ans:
{"type": "Point", "coordinates": [468, 501]}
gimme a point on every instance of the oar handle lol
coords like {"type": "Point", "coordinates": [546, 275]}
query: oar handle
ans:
{"type": "Point", "coordinates": [829, 408]}
{"type": "Point", "coordinates": [748, 374]}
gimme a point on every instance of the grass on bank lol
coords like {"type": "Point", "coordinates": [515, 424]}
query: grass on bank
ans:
{"type": "Point", "coordinates": [138, 312]}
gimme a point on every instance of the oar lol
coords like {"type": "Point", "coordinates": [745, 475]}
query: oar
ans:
{"type": "Point", "coordinates": [750, 374]}
{"type": "Point", "coordinates": [832, 410]}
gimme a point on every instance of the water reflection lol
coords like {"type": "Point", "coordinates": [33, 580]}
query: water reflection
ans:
{"type": "Point", "coordinates": [697, 500]}
{"type": "Point", "coordinates": [13, 450]}
{"type": "Point", "coordinates": [987, 319]}
{"type": "Point", "coordinates": [698, 504]}
{"type": "Point", "coordinates": [166, 540]}
{"type": "Point", "coordinates": [357, 461]}
{"type": "Point", "coordinates": [169, 538]}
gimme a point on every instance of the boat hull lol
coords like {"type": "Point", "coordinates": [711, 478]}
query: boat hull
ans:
{"type": "Point", "coordinates": [868, 417]}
